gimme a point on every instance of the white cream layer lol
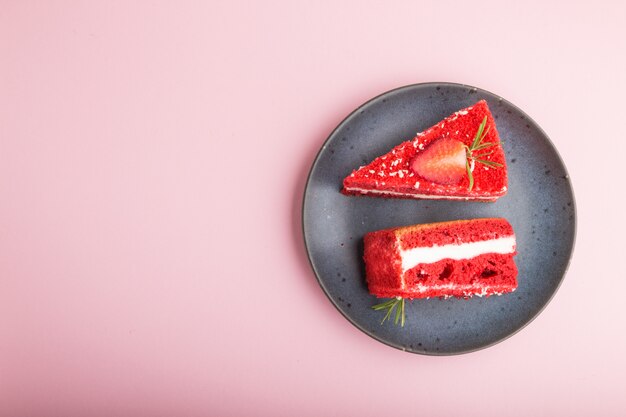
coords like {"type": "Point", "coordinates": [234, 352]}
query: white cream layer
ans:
{"type": "Point", "coordinates": [426, 255]}
{"type": "Point", "coordinates": [468, 289]}
{"type": "Point", "coordinates": [413, 195]}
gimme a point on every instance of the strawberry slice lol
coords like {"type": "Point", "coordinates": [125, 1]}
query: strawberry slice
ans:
{"type": "Point", "coordinates": [443, 162]}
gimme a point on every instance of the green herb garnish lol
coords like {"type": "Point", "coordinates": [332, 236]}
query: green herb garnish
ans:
{"type": "Point", "coordinates": [478, 145]}
{"type": "Point", "coordinates": [395, 303]}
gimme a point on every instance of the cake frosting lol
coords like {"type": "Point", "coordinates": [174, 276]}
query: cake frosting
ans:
{"type": "Point", "coordinates": [431, 254]}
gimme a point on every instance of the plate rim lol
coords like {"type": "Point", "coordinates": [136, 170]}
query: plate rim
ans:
{"type": "Point", "coordinates": [434, 84]}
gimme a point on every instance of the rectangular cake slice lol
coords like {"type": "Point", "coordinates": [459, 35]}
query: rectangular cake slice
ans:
{"type": "Point", "coordinates": [458, 258]}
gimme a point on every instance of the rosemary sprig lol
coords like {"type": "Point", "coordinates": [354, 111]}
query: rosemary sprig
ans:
{"type": "Point", "coordinates": [488, 163]}
{"type": "Point", "coordinates": [477, 145]}
{"type": "Point", "coordinates": [469, 174]}
{"type": "Point", "coordinates": [479, 134]}
{"type": "Point", "coordinates": [391, 305]}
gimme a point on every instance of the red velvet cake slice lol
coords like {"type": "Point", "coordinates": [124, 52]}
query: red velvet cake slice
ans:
{"type": "Point", "coordinates": [460, 158]}
{"type": "Point", "coordinates": [458, 258]}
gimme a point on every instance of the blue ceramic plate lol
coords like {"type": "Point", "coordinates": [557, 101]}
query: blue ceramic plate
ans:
{"type": "Point", "coordinates": [539, 205]}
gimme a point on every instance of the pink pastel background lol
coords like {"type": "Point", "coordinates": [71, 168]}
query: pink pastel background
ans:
{"type": "Point", "coordinates": [153, 157]}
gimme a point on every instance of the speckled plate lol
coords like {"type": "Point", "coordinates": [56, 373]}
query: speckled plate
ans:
{"type": "Point", "coordinates": [539, 205]}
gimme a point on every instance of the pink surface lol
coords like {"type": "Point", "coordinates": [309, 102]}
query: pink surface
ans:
{"type": "Point", "coordinates": [140, 143]}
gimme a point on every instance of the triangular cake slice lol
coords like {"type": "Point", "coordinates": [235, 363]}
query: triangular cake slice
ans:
{"type": "Point", "coordinates": [459, 158]}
